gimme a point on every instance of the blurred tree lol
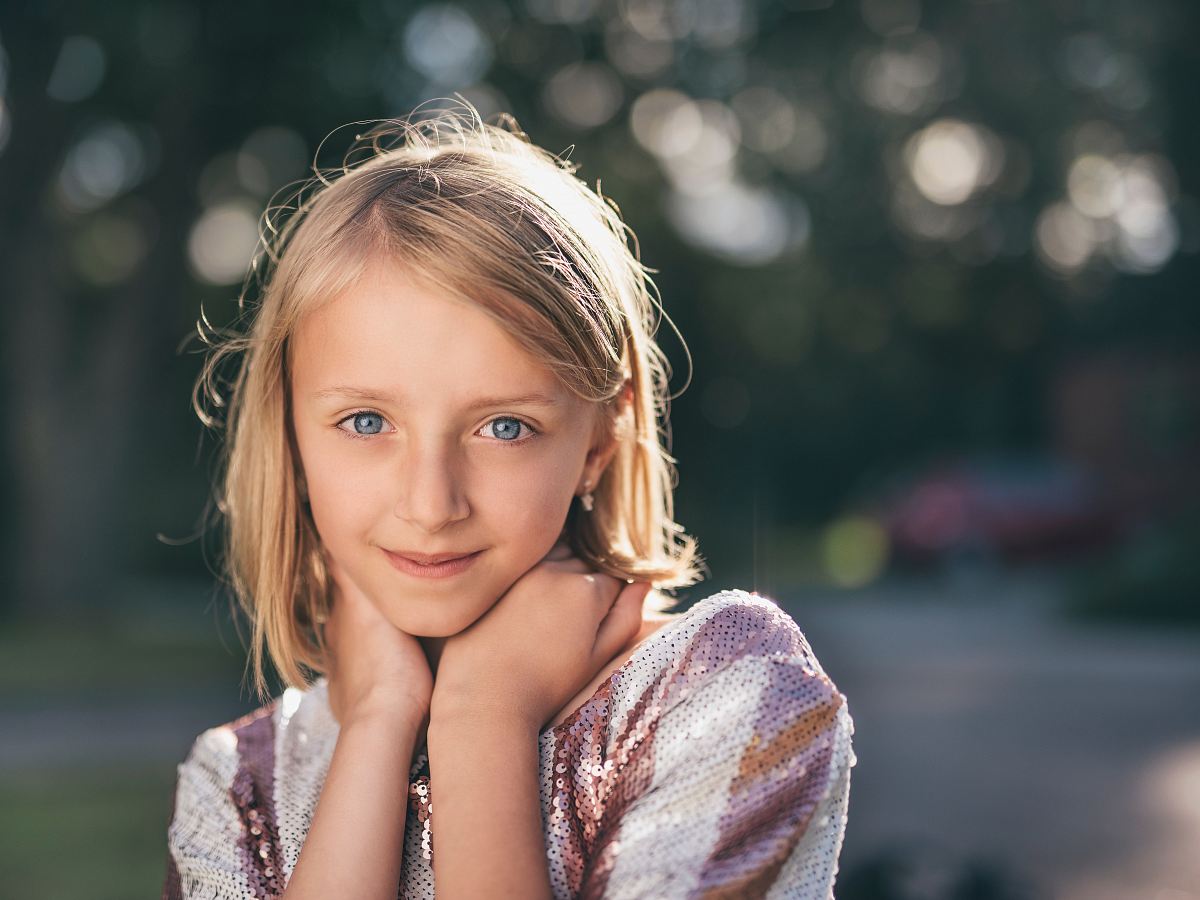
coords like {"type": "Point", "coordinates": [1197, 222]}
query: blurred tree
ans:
{"type": "Point", "coordinates": [879, 225]}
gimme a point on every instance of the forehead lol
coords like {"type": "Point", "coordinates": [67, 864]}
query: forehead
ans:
{"type": "Point", "coordinates": [397, 332]}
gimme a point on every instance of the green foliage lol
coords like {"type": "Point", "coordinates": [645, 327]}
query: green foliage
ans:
{"type": "Point", "coordinates": [1154, 578]}
{"type": "Point", "coordinates": [98, 834]}
{"type": "Point", "coordinates": [42, 661]}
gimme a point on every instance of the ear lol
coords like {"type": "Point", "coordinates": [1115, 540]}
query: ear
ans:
{"type": "Point", "coordinates": [605, 442]}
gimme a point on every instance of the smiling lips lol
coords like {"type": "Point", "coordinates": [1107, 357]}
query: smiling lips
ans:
{"type": "Point", "coordinates": [438, 565]}
{"type": "Point", "coordinates": [429, 559]}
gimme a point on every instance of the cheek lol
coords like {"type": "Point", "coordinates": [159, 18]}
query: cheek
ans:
{"type": "Point", "coordinates": [344, 501]}
{"type": "Point", "coordinates": [533, 504]}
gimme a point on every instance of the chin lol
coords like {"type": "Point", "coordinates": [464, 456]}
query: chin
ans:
{"type": "Point", "coordinates": [432, 620]}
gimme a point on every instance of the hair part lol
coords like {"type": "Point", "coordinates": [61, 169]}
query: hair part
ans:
{"type": "Point", "coordinates": [487, 216]}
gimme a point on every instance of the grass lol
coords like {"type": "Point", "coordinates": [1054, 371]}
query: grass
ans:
{"type": "Point", "coordinates": [94, 834]}
{"type": "Point", "coordinates": [92, 831]}
{"type": "Point", "coordinates": [1153, 579]}
{"type": "Point", "coordinates": [44, 659]}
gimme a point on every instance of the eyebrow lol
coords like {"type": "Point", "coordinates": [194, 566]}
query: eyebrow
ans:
{"type": "Point", "coordinates": [348, 392]}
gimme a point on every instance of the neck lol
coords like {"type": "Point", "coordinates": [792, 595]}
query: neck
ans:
{"type": "Point", "coordinates": [433, 651]}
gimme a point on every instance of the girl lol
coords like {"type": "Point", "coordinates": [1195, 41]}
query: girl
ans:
{"type": "Point", "coordinates": [448, 502]}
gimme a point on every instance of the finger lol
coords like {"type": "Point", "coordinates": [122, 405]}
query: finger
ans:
{"type": "Point", "coordinates": [623, 621]}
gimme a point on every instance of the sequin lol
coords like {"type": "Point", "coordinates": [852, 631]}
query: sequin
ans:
{"type": "Point", "coordinates": [714, 763]}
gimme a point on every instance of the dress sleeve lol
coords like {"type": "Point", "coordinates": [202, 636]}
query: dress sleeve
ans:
{"type": "Point", "coordinates": [205, 837]}
{"type": "Point", "coordinates": [748, 796]}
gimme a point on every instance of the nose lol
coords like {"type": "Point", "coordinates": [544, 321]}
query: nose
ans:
{"type": "Point", "coordinates": [432, 492]}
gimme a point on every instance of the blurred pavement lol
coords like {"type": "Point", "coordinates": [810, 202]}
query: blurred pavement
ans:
{"type": "Point", "coordinates": [987, 729]}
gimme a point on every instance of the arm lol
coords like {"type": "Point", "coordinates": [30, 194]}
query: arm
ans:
{"type": "Point", "coordinates": [379, 687]}
{"type": "Point", "coordinates": [356, 843]}
{"type": "Point", "coordinates": [498, 681]}
{"type": "Point", "coordinates": [222, 845]}
{"type": "Point", "coordinates": [488, 837]}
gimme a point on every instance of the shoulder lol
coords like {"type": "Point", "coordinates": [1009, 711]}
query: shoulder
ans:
{"type": "Point", "coordinates": [740, 677]}
{"type": "Point", "coordinates": [735, 631]}
{"type": "Point", "coordinates": [745, 700]}
{"type": "Point", "coordinates": [220, 761]}
{"type": "Point", "coordinates": [734, 656]}
{"type": "Point", "coordinates": [218, 746]}
{"type": "Point", "coordinates": [251, 736]}
{"type": "Point", "coordinates": [734, 755]}
{"type": "Point", "coordinates": [751, 624]}
{"type": "Point", "coordinates": [235, 762]}
{"type": "Point", "coordinates": [223, 834]}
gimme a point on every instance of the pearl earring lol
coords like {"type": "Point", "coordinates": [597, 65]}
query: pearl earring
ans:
{"type": "Point", "coordinates": [587, 500]}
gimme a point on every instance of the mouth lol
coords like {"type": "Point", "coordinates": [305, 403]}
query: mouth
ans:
{"type": "Point", "coordinates": [431, 566]}
{"type": "Point", "coordinates": [430, 559]}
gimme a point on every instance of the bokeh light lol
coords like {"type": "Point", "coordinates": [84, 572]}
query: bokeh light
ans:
{"type": "Point", "coordinates": [270, 157]}
{"type": "Point", "coordinates": [78, 70]}
{"type": "Point", "coordinates": [222, 243]}
{"type": "Point", "coordinates": [791, 134]}
{"type": "Point", "coordinates": [738, 222]}
{"type": "Point", "coordinates": [110, 159]}
{"type": "Point", "coordinates": [583, 95]}
{"type": "Point", "coordinates": [854, 550]}
{"type": "Point", "coordinates": [949, 160]}
{"type": "Point", "coordinates": [444, 43]}
{"type": "Point", "coordinates": [907, 76]}
{"type": "Point", "coordinates": [562, 12]}
{"type": "Point", "coordinates": [1118, 205]}
{"type": "Point", "coordinates": [666, 122]}
{"type": "Point", "coordinates": [890, 17]}
{"type": "Point", "coordinates": [1065, 238]}
{"type": "Point", "coordinates": [634, 54]}
{"type": "Point", "coordinates": [109, 248]}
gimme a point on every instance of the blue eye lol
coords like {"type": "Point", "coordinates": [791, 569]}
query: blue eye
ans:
{"type": "Point", "coordinates": [365, 423]}
{"type": "Point", "coordinates": [508, 431]}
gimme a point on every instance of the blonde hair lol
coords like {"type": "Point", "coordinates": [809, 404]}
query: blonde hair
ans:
{"type": "Point", "coordinates": [496, 221]}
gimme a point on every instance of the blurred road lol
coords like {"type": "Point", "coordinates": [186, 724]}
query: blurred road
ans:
{"type": "Point", "coordinates": [1066, 756]}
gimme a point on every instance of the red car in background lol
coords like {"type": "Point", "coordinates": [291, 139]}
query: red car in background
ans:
{"type": "Point", "coordinates": [997, 509]}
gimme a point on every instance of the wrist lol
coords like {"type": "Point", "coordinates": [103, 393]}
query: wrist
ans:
{"type": "Point", "coordinates": [387, 712]}
{"type": "Point", "coordinates": [480, 714]}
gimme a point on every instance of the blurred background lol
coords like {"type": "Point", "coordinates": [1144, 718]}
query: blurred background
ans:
{"type": "Point", "coordinates": [931, 260]}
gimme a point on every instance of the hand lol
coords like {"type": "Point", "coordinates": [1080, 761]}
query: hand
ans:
{"type": "Point", "coordinates": [540, 644]}
{"type": "Point", "coordinates": [375, 668]}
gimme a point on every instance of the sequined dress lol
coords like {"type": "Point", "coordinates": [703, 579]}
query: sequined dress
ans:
{"type": "Point", "coordinates": [715, 762]}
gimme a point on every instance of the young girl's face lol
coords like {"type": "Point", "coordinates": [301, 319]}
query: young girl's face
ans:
{"type": "Point", "coordinates": [423, 427]}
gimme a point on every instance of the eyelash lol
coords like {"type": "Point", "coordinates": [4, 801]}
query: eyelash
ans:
{"type": "Point", "coordinates": [370, 412]}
